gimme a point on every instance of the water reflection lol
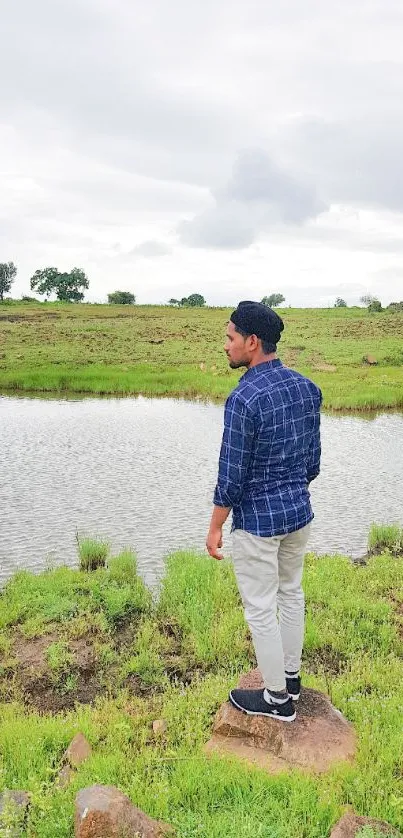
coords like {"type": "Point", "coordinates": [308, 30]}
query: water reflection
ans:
{"type": "Point", "coordinates": [141, 473]}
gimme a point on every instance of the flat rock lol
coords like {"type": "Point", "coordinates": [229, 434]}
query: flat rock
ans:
{"type": "Point", "coordinates": [351, 824]}
{"type": "Point", "coordinates": [78, 751]}
{"type": "Point", "coordinates": [104, 812]}
{"type": "Point", "coordinates": [319, 737]}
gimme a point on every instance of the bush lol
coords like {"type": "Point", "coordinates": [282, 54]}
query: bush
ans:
{"type": "Point", "coordinates": [375, 306]}
{"type": "Point", "coordinates": [385, 537]}
{"type": "Point", "coordinates": [122, 298]}
{"type": "Point", "coordinates": [92, 553]}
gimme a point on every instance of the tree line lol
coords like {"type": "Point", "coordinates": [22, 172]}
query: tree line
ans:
{"type": "Point", "coordinates": [69, 286]}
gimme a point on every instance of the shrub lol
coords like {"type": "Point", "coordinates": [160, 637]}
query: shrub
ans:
{"type": "Point", "coordinates": [385, 537]}
{"type": "Point", "coordinates": [92, 553]}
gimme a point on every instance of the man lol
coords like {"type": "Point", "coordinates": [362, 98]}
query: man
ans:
{"type": "Point", "coordinates": [270, 453]}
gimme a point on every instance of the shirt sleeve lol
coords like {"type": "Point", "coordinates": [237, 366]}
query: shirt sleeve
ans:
{"type": "Point", "coordinates": [236, 449]}
{"type": "Point", "coordinates": [313, 466]}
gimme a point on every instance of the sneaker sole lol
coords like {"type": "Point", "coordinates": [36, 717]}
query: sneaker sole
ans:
{"type": "Point", "coordinates": [294, 697]}
{"type": "Point", "coordinates": [275, 716]}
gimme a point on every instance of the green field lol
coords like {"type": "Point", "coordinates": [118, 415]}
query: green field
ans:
{"type": "Point", "coordinates": [100, 639]}
{"type": "Point", "coordinates": [158, 350]}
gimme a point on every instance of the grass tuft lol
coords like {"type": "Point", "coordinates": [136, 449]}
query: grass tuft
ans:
{"type": "Point", "coordinates": [92, 553]}
{"type": "Point", "coordinates": [385, 537]}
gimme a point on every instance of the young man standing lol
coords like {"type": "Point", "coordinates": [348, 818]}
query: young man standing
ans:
{"type": "Point", "coordinates": [270, 452]}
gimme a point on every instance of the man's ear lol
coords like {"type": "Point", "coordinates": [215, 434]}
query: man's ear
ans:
{"type": "Point", "coordinates": [253, 342]}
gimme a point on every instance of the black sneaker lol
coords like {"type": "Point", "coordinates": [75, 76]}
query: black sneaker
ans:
{"type": "Point", "coordinates": [294, 687]}
{"type": "Point", "coordinates": [253, 703]}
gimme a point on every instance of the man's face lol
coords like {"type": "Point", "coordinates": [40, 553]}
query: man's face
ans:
{"type": "Point", "coordinates": [237, 348]}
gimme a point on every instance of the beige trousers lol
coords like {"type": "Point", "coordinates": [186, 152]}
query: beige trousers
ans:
{"type": "Point", "coordinates": [269, 574]}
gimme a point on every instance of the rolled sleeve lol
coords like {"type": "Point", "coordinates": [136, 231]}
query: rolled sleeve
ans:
{"type": "Point", "coordinates": [236, 450]}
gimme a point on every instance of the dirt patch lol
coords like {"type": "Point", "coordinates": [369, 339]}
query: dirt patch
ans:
{"type": "Point", "coordinates": [50, 691]}
{"type": "Point", "coordinates": [324, 659]}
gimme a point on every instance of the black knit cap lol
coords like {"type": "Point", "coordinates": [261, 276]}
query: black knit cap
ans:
{"type": "Point", "coordinates": [260, 320]}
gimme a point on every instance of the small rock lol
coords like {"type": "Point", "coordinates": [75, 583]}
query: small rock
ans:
{"type": "Point", "coordinates": [159, 726]}
{"type": "Point", "coordinates": [78, 751]}
{"type": "Point", "coordinates": [351, 824]}
{"type": "Point", "coordinates": [319, 737]}
{"type": "Point", "coordinates": [14, 807]}
{"type": "Point", "coordinates": [370, 359]}
{"type": "Point", "coordinates": [104, 812]}
{"type": "Point", "coordinates": [64, 776]}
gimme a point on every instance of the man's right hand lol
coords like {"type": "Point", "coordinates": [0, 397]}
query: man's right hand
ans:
{"type": "Point", "coordinates": [214, 543]}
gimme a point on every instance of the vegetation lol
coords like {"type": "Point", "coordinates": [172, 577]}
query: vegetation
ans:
{"type": "Point", "coordinates": [159, 350]}
{"type": "Point", "coordinates": [8, 272]}
{"type": "Point", "coordinates": [122, 298]}
{"type": "Point", "coordinates": [100, 640]}
{"type": "Point", "coordinates": [340, 303]}
{"type": "Point", "coordinates": [92, 553]}
{"type": "Point", "coordinates": [66, 286]}
{"type": "Point", "coordinates": [273, 300]}
{"type": "Point", "coordinates": [386, 537]}
{"type": "Point", "coordinates": [193, 301]}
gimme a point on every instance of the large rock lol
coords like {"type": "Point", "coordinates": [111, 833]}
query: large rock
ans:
{"type": "Point", "coordinates": [351, 824]}
{"type": "Point", "coordinates": [104, 812]}
{"type": "Point", "coordinates": [319, 737]}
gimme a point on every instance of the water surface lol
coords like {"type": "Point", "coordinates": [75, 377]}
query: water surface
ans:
{"type": "Point", "coordinates": [141, 473]}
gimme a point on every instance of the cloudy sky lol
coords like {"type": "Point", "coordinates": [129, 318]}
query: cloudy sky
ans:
{"type": "Point", "coordinates": [224, 147]}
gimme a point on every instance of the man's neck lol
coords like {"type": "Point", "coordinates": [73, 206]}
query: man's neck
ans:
{"type": "Point", "coordinates": [262, 359]}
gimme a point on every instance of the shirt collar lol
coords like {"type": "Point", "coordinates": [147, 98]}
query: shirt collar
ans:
{"type": "Point", "coordinates": [265, 366]}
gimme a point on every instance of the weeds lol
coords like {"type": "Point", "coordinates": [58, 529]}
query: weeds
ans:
{"type": "Point", "coordinates": [385, 537]}
{"type": "Point", "coordinates": [92, 553]}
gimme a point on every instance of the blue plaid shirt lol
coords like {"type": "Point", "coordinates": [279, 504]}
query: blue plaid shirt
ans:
{"type": "Point", "coordinates": [270, 450]}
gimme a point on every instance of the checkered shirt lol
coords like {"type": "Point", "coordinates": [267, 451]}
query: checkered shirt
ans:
{"type": "Point", "coordinates": [270, 450]}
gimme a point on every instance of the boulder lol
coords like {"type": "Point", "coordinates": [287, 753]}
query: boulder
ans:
{"type": "Point", "coordinates": [104, 812]}
{"type": "Point", "coordinates": [319, 737]}
{"type": "Point", "coordinates": [351, 824]}
{"type": "Point", "coordinates": [370, 360]}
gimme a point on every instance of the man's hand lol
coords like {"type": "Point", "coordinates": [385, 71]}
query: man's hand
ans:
{"type": "Point", "coordinates": [214, 542]}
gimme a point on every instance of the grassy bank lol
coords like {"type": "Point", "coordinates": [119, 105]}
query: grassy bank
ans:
{"type": "Point", "coordinates": [167, 351]}
{"type": "Point", "coordinates": [100, 638]}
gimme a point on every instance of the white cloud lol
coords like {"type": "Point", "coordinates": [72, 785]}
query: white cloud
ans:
{"type": "Point", "coordinates": [124, 124]}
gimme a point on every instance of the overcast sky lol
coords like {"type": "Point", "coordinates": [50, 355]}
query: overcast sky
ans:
{"type": "Point", "coordinates": [226, 147]}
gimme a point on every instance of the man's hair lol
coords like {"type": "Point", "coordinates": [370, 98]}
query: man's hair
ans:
{"type": "Point", "coordinates": [267, 348]}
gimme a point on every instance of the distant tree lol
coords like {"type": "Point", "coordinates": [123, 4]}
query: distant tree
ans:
{"type": "Point", "coordinates": [340, 303]}
{"type": "Point", "coordinates": [395, 306]}
{"type": "Point", "coordinates": [122, 298]}
{"type": "Point", "coordinates": [194, 300]}
{"type": "Point", "coordinates": [8, 272]}
{"type": "Point", "coordinates": [273, 300]}
{"type": "Point", "coordinates": [375, 306]}
{"type": "Point", "coordinates": [66, 286]}
{"type": "Point", "coordinates": [173, 302]}
{"type": "Point", "coordinates": [367, 299]}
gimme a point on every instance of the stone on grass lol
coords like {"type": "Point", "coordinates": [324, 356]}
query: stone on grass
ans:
{"type": "Point", "coordinates": [78, 751]}
{"type": "Point", "coordinates": [104, 812]}
{"type": "Point", "coordinates": [14, 807]}
{"type": "Point", "coordinates": [159, 726]}
{"type": "Point", "coordinates": [319, 737]}
{"type": "Point", "coordinates": [350, 825]}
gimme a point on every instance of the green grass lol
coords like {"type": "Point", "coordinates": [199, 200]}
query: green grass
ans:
{"type": "Point", "coordinates": [386, 537]}
{"type": "Point", "coordinates": [159, 350]}
{"type": "Point", "coordinates": [186, 650]}
{"type": "Point", "coordinates": [92, 553]}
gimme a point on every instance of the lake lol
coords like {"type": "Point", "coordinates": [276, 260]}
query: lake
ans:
{"type": "Point", "coordinates": [141, 473]}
